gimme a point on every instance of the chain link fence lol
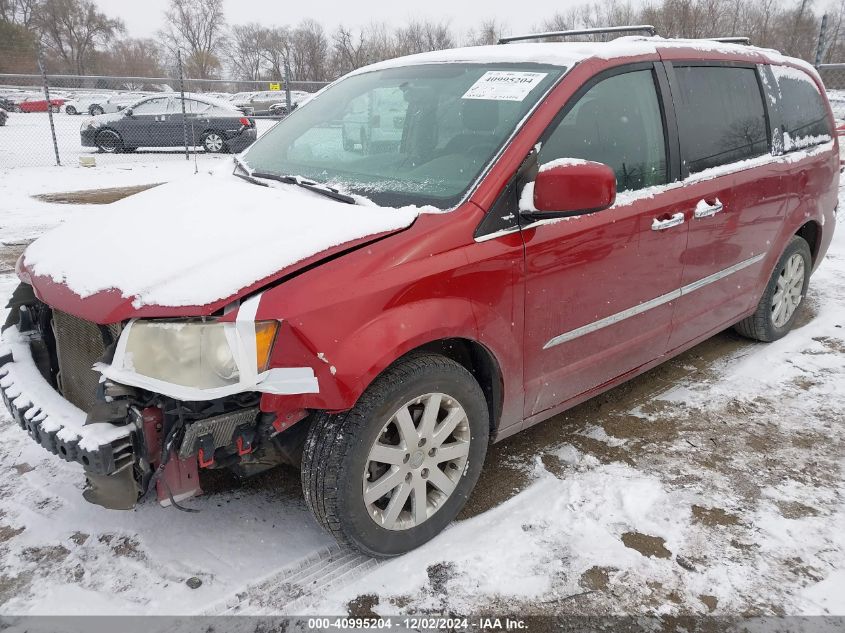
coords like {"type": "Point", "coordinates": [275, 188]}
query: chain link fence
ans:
{"type": "Point", "coordinates": [97, 120]}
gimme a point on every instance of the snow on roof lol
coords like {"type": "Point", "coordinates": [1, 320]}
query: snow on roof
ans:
{"type": "Point", "coordinates": [568, 53]}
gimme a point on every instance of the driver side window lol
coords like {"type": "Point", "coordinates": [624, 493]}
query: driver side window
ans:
{"type": "Point", "coordinates": [617, 122]}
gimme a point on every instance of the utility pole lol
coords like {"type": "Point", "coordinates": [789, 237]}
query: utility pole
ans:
{"type": "Point", "coordinates": [49, 105]}
{"type": "Point", "coordinates": [820, 49]}
{"type": "Point", "coordinates": [182, 94]}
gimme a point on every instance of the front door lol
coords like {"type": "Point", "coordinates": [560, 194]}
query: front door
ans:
{"type": "Point", "coordinates": [599, 288]}
{"type": "Point", "coordinates": [145, 127]}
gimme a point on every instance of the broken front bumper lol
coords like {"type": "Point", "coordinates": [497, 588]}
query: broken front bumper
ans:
{"type": "Point", "coordinates": [102, 448]}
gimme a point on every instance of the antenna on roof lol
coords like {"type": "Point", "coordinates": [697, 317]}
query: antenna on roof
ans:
{"type": "Point", "coordinates": [731, 40]}
{"type": "Point", "coordinates": [641, 28]}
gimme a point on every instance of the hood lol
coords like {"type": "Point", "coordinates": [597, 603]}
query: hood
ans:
{"type": "Point", "coordinates": [192, 246]}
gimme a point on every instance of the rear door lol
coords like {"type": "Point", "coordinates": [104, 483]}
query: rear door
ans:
{"type": "Point", "coordinates": [599, 287]}
{"type": "Point", "coordinates": [735, 194]}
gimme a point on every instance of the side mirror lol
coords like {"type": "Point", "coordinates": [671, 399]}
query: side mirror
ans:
{"type": "Point", "coordinates": [571, 187]}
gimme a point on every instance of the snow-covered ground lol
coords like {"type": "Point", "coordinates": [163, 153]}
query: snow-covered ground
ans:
{"type": "Point", "coordinates": [26, 141]}
{"type": "Point", "coordinates": [714, 483]}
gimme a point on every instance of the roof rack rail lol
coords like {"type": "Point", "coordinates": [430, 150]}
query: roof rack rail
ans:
{"type": "Point", "coordinates": [645, 28]}
{"type": "Point", "coordinates": [732, 40]}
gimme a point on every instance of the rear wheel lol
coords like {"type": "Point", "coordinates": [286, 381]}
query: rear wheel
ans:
{"type": "Point", "coordinates": [94, 110]}
{"type": "Point", "coordinates": [70, 110]}
{"type": "Point", "coordinates": [109, 141]}
{"type": "Point", "coordinates": [55, 109]}
{"type": "Point", "coordinates": [778, 308]}
{"type": "Point", "coordinates": [213, 142]}
{"type": "Point", "coordinates": [392, 472]}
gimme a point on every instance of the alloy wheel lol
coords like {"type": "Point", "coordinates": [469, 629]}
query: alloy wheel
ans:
{"type": "Point", "coordinates": [108, 141]}
{"type": "Point", "coordinates": [790, 286]}
{"type": "Point", "coordinates": [416, 461]}
{"type": "Point", "coordinates": [213, 142]}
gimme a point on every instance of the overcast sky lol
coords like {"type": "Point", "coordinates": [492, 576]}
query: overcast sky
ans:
{"type": "Point", "coordinates": [144, 17]}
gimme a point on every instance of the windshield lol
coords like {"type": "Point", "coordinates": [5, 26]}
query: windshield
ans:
{"type": "Point", "coordinates": [416, 135]}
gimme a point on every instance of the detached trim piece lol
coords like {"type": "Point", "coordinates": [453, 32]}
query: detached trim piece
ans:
{"type": "Point", "coordinates": [653, 303]}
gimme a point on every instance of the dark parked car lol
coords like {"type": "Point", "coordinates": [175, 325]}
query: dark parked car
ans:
{"type": "Point", "coordinates": [3, 116]}
{"type": "Point", "coordinates": [157, 121]}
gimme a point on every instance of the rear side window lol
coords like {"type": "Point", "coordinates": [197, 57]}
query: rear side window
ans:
{"type": "Point", "coordinates": [803, 113]}
{"type": "Point", "coordinates": [617, 122]}
{"type": "Point", "coordinates": [720, 113]}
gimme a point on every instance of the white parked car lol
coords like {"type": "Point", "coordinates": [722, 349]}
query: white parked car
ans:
{"type": "Point", "coordinates": [85, 103]}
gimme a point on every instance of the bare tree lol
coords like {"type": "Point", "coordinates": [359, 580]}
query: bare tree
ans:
{"type": "Point", "coordinates": [246, 54]}
{"type": "Point", "coordinates": [133, 58]}
{"type": "Point", "coordinates": [19, 12]}
{"type": "Point", "coordinates": [488, 33]}
{"type": "Point", "coordinates": [309, 48]}
{"type": "Point", "coordinates": [198, 28]}
{"type": "Point", "coordinates": [72, 29]}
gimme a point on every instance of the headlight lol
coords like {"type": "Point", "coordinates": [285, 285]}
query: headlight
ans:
{"type": "Point", "coordinates": [198, 354]}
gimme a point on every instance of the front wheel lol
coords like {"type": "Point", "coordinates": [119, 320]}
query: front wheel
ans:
{"type": "Point", "coordinates": [392, 472]}
{"type": "Point", "coordinates": [778, 308]}
{"type": "Point", "coordinates": [94, 110]}
{"type": "Point", "coordinates": [70, 110]}
{"type": "Point", "coordinates": [55, 109]}
{"type": "Point", "coordinates": [109, 141]}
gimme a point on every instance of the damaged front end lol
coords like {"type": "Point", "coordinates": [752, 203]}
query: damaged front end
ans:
{"type": "Point", "coordinates": [146, 410]}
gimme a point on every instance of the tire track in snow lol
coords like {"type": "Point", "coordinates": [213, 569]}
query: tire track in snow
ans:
{"type": "Point", "coordinates": [297, 586]}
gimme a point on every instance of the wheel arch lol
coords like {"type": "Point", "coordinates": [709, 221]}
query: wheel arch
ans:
{"type": "Point", "coordinates": [479, 361]}
{"type": "Point", "coordinates": [811, 232]}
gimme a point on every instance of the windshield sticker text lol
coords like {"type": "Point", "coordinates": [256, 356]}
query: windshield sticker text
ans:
{"type": "Point", "coordinates": [503, 85]}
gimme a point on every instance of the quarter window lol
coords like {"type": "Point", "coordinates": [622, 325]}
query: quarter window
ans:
{"type": "Point", "coordinates": [803, 114]}
{"type": "Point", "coordinates": [617, 122]}
{"type": "Point", "coordinates": [720, 112]}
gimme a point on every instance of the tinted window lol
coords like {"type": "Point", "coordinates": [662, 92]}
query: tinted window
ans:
{"type": "Point", "coordinates": [803, 114]}
{"type": "Point", "coordinates": [618, 123]}
{"type": "Point", "coordinates": [720, 115]}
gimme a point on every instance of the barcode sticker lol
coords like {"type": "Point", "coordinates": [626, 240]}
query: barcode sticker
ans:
{"type": "Point", "coordinates": [504, 85]}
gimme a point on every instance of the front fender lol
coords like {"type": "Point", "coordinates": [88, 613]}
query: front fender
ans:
{"type": "Point", "coordinates": [346, 364]}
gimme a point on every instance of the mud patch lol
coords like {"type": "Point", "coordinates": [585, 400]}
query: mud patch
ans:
{"type": "Point", "coordinates": [439, 575]}
{"type": "Point", "coordinates": [23, 469]}
{"type": "Point", "coordinates": [362, 606]}
{"type": "Point", "coordinates": [713, 517]}
{"type": "Point", "coordinates": [79, 538]}
{"type": "Point", "coordinates": [711, 602]}
{"type": "Point", "coordinates": [650, 546]}
{"type": "Point", "coordinates": [7, 532]}
{"type": "Point", "coordinates": [46, 554]}
{"type": "Point", "coordinates": [796, 510]}
{"type": "Point", "coordinates": [596, 578]}
{"type": "Point", "coordinates": [93, 196]}
{"type": "Point", "coordinates": [833, 344]}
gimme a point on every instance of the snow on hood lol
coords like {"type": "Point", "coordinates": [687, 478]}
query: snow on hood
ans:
{"type": "Point", "coordinates": [199, 240]}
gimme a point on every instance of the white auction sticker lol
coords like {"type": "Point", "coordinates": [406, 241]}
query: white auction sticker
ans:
{"type": "Point", "coordinates": [504, 85]}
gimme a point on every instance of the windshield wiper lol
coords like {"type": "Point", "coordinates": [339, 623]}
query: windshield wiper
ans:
{"type": "Point", "coordinates": [246, 175]}
{"type": "Point", "coordinates": [325, 190]}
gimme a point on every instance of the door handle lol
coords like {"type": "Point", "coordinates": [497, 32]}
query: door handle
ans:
{"type": "Point", "coordinates": [705, 210]}
{"type": "Point", "coordinates": [661, 225]}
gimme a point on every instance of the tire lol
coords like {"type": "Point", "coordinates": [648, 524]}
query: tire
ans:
{"type": "Point", "coordinates": [791, 277]}
{"type": "Point", "coordinates": [109, 141]}
{"type": "Point", "coordinates": [55, 109]}
{"type": "Point", "coordinates": [338, 462]}
{"type": "Point", "coordinates": [94, 110]}
{"type": "Point", "coordinates": [70, 110]}
{"type": "Point", "coordinates": [17, 109]}
{"type": "Point", "coordinates": [214, 142]}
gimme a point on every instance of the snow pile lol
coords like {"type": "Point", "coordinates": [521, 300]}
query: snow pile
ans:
{"type": "Point", "coordinates": [200, 239]}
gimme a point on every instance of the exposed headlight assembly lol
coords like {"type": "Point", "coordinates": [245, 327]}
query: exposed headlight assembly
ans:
{"type": "Point", "coordinates": [203, 359]}
{"type": "Point", "coordinates": [199, 354]}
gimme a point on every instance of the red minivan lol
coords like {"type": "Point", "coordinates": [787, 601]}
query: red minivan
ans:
{"type": "Point", "coordinates": [548, 220]}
